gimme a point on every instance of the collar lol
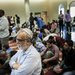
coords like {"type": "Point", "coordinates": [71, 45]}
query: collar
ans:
{"type": "Point", "coordinates": [27, 51]}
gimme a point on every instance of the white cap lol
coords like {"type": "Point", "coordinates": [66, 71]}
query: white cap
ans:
{"type": "Point", "coordinates": [29, 32]}
{"type": "Point", "coordinates": [47, 37]}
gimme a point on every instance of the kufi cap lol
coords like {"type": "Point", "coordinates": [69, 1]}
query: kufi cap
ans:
{"type": "Point", "coordinates": [29, 32]}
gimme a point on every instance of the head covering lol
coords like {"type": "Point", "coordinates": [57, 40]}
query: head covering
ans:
{"type": "Point", "coordinates": [29, 32]}
{"type": "Point", "coordinates": [26, 30]}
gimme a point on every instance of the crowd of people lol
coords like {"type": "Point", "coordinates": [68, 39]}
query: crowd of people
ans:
{"type": "Point", "coordinates": [36, 50]}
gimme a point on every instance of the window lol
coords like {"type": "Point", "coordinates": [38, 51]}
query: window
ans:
{"type": "Point", "coordinates": [72, 9]}
{"type": "Point", "coordinates": [61, 7]}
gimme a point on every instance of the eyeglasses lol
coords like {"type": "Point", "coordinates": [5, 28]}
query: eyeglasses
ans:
{"type": "Point", "coordinates": [21, 40]}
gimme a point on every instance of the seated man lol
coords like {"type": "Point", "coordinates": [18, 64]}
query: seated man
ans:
{"type": "Point", "coordinates": [27, 60]}
{"type": "Point", "coordinates": [52, 52]}
{"type": "Point", "coordinates": [67, 66]}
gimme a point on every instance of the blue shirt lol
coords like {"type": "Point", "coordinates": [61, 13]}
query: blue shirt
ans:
{"type": "Point", "coordinates": [8, 50]}
{"type": "Point", "coordinates": [29, 60]}
{"type": "Point", "coordinates": [40, 22]}
{"type": "Point", "coordinates": [40, 35]}
{"type": "Point", "coordinates": [40, 47]}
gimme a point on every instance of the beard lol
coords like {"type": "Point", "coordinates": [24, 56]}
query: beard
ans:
{"type": "Point", "coordinates": [66, 48]}
{"type": "Point", "coordinates": [24, 48]}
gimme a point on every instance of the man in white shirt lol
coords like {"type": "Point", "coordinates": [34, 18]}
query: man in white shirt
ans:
{"type": "Point", "coordinates": [4, 28]}
{"type": "Point", "coordinates": [27, 60]}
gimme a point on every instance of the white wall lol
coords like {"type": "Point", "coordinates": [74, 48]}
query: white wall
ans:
{"type": "Point", "coordinates": [51, 6]}
{"type": "Point", "coordinates": [38, 5]}
{"type": "Point", "coordinates": [13, 7]}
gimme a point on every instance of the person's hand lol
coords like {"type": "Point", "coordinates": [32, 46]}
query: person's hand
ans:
{"type": "Point", "coordinates": [45, 61]}
{"type": "Point", "coordinates": [57, 69]}
{"type": "Point", "coordinates": [16, 65]}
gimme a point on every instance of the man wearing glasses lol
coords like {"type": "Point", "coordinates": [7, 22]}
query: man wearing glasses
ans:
{"type": "Point", "coordinates": [27, 60]}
